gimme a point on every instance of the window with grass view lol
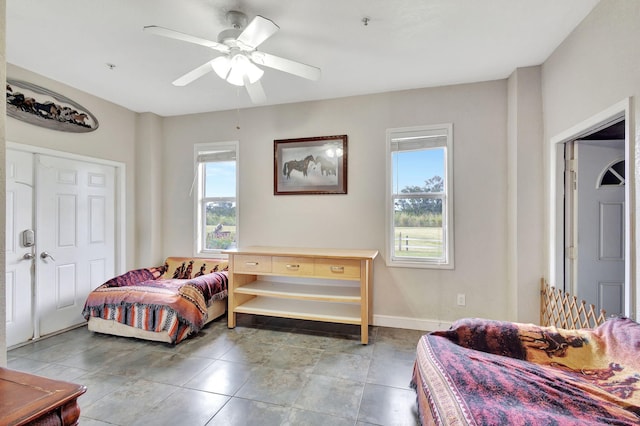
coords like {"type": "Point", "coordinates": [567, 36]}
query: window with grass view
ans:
{"type": "Point", "coordinates": [217, 194]}
{"type": "Point", "coordinates": [420, 228]}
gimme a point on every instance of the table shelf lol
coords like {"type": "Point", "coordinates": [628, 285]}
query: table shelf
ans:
{"type": "Point", "coordinates": [302, 309]}
{"type": "Point", "coordinates": [316, 284]}
{"type": "Point", "coordinates": [316, 292]}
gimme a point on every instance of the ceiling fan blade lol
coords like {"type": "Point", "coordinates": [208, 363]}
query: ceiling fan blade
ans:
{"type": "Point", "coordinates": [193, 74]}
{"type": "Point", "coordinates": [286, 65]}
{"type": "Point", "coordinates": [258, 30]}
{"type": "Point", "coordinates": [255, 91]}
{"type": "Point", "coordinates": [166, 32]}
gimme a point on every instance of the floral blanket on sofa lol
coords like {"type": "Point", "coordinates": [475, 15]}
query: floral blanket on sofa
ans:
{"type": "Point", "coordinates": [482, 372]}
{"type": "Point", "coordinates": [149, 300]}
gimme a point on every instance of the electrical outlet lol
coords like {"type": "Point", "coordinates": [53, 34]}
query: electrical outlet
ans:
{"type": "Point", "coordinates": [462, 301]}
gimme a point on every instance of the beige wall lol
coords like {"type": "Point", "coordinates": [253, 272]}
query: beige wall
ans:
{"type": "Point", "coordinates": [524, 194]}
{"type": "Point", "coordinates": [415, 297]}
{"type": "Point", "coordinates": [148, 175]}
{"type": "Point", "coordinates": [597, 66]}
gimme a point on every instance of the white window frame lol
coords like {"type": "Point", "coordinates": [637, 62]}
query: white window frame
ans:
{"type": "Point", "coordinates": [199, 151]}
{"type": "Point", "coordinates": [421, 132]}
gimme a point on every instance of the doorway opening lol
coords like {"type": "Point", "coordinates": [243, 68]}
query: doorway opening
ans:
{"type": "Point", "coordinates": [590, 239]}
{"type": "Point", "coordinates": [594, 206]}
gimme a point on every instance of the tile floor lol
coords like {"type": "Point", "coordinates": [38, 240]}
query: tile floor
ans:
{"type": "Point", "coordinates": [266, 371]}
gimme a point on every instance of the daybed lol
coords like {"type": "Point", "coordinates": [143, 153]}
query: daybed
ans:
{"type": "Point", "coordinates": [482, 372]}
{"type": "Point", "coordinates": [166, 303]}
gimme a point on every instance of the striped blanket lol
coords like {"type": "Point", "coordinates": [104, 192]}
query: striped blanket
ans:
{"type": "Point", "coordinates": [143, 300]}
{"type": "Point", "coordinates": [483, 372]}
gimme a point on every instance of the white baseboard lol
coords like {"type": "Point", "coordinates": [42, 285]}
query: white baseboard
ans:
{"type": "Point", "coordinates": [410, 323]}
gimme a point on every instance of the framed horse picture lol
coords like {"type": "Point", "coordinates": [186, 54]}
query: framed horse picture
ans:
{"type": "Point", "coordinates": [315, 165]}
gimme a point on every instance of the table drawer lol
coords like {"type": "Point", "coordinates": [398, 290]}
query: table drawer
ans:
{"type": "Point", "coordinates": [285, 265]}
{"type": "Point", "coordinates": [251, 264]}
{"type": "Point", "coordinates": [337, 268]}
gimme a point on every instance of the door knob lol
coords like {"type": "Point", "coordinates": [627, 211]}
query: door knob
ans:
{"type": "Point", "coordinates": [28, 256]}
{"type": "Point", "coordinates": [44, 255]}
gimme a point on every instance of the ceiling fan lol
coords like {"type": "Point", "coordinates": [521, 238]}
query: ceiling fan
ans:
{"type": "Point", "coordinates": [239, 63]}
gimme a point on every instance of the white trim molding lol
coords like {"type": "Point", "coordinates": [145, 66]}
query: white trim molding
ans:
{"type": "Point", "coordinates": [411, 323]}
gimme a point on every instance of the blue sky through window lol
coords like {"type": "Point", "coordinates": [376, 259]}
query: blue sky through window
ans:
{"type": "Point", "coordinates": [220, 179]}
{"type": "Point", "coordinates": [413, 168]}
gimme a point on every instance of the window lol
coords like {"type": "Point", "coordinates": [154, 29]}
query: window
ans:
{"type": "Point", "coordinates": [217, 192]}
{"type": "Point", "coordinates": [613, 175]}
{"type": "Point", "coordinates": [420, 197]}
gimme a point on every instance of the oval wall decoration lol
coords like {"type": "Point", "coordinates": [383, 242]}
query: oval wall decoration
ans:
{"type": "Point", "coordinates": [45, 108]}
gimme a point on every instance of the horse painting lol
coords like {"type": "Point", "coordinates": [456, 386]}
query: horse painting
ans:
{"type": "Point", "coordinates": [299, 165]}
{"type": "Point", "coordinates": [33, 106]}
{"type": "Point", "coordinates": [327, 167]}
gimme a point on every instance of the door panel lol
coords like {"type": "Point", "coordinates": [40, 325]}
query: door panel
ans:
{"type": "Point", "coordinates": [19, 217]}
{"type": "Point", "coordinates": [65, 284]}
{"type": "Point", "coordinates": [76, 202]}
{"type": "Point", "coordinates": [600, 269]}
{"type": "Point", "coordinates": [611, 296]}
{"type": "Point", "coordinates": [611, 231]}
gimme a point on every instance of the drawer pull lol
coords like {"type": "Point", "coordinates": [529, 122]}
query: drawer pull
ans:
{"type": "Point", "coordinates": [339, 269]}
{"type": "Point", "coordinates": [251, 263]}
{"type": "Point", "coordinates": [292, 266]}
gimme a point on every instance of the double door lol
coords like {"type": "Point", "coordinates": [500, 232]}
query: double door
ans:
{"type": "Point", "coordinates": [60, 240]}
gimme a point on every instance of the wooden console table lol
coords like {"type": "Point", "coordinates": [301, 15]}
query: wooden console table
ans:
{"type": "Point", "coordinates": [317, 296]}
{"type": "Point", "coordinates": [28, 399]}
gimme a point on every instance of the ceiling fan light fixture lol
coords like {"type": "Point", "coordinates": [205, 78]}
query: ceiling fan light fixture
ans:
{"type": "Point", "coordinates": [241, 66]}
{"type": "Point", "coordinates": [240, 63]}
{"type": "Point", "coordinates": [221, 65]}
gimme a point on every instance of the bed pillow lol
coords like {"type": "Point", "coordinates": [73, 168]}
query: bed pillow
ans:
{"type": "Point", "coordinates": [191, 267]}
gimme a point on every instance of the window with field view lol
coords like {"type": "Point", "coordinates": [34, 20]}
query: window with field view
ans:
{"type": "Point", "coordinates": [419, 225]}
{"type": "Point", "coordinates": [217, 221]}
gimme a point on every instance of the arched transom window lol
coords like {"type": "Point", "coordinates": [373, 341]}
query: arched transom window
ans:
{"type": "Point", "coordinates": [612, 175]}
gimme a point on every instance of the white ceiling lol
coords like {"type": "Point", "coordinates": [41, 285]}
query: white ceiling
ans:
{"type": "Point", "coordinates": [407, 44]}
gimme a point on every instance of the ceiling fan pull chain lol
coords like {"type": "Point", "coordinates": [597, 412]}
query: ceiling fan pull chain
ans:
{"type": "Point", "coordinates": [237, 108]}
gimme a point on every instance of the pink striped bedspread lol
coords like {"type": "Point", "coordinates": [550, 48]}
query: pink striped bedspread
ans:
{"type": "Point", "coordinates": [482, 372]}
{"type": "Point", "coordinates": [141, 300]}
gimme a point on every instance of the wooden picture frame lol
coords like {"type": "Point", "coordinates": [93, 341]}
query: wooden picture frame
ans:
{"type": "Point", "coordinates": [316, 165]}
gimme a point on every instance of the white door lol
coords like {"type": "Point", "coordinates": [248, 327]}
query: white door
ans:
{"type": "Point", "coordinates": [19, 253]}
{"type": "Point", "coordinates": [75, 218]}
{"type": "Point", "coordinates": [600, 245]}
